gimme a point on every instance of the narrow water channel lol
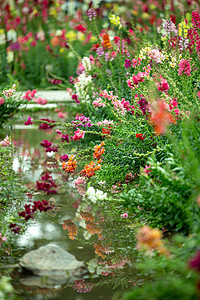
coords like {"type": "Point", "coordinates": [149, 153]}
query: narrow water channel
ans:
{"type": "Point", "coordinates": [110, 271]}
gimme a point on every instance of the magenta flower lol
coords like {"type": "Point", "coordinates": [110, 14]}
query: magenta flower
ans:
{"type": "Point", "coordinates": [75, 97]}
{"type": "Point", "coordinates": [45, 144]}
{"type": "Point", "coordinates": [64, 158]}
{"type": "Point", "coordinates": [28, 122]}
{"type": "Point", "coordinates": [194, 263]}
{"type": "Point", "coordinates": [127, 63]}
{"type": "Point", "coordinates": [79, 134]}
{"type": "Point", "coordinates": [65, 137]}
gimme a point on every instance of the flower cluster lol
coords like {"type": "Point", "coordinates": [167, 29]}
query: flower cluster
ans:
{"type": "Point", "coordinates": [115, 20]}
{"type": "Point", "coordinates": [150, 239]}
{"type": "Point", "coordinates": [95, 195]}
{"type": "Point", "coordinates": [79, 134]}
{"type": "Point", "coordinates": [90, 169]}
{"type": "Point", "coordinates": [6, 142]}
{"type": "Point", "coordinates": [70, 166]}
{"type": "Point", "coordinates": [98, 151]}
{"type": "Point", "coordinates": [29, 121]}
{"type": "Point", "coordinates": [82, 121]}
{"type": "Point", "coordinates": [98, 103]}
{"type": "Point", "coordinates": [140, 136]}
{"type": "Point", "coordinates": [48, 124]}
{"type": "Point", "coordinates": [184, 67]}
{"type": "Point", "coordinates": [140, 77]}
{"type": "Point", "coordinates": [29, 95]}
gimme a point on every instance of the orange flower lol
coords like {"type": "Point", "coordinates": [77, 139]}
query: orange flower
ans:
{"type": "Point", "coordinates": [151, 239]}
{"type": "Point", "coordinates": [71, 227]}
{"type": "Point", "coordinates": [70, 165]}
{"type": "Point", "coordinates": [89, 169]}
{"type": "Point", "coordinates": [161, 118]}
{"type": "Point", "coordinates": [106, 41]}
{"type": "Point", "coordinates": [98, 151]}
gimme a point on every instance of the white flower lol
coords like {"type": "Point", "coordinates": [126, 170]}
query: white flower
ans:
{"type": "Point", "coordinates": [12, 35]}
{"type": "Point", "coordinates": [94, 196]}
{"type": "Point", "coordinates": [100, 195]}
{"type": "Point", "coordinates": [86, 63]}
{"type": "Point", "coordinates": [91, 194]}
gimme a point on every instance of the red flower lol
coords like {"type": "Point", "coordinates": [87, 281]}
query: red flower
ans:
{"type": "Point", "coordinates": [80, 28]}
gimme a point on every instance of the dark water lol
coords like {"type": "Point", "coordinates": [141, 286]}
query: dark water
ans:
{"type": "Point", "coordinates": [114, 272]}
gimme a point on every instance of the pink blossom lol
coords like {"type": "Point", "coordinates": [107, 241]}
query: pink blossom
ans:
{"type": "Point", "coordinates": [79, 134]}
{"type": "Point", "coordinates": [125, 215]}
{"type": "Point", "coordinates": [184, 67]}
{"type": "Point", "coordinates": [29, 95]}
{"type": "Point", "coordinates": [6, 142]}
{"type": "Point", "coordinates": [105, 123]}
{"type": "Point", "coordinates": [62, 115]}
{"type": "Point", "coordinates": [2, 100]}
{"type": "Point", "coordinates": [8, 93]}
{"type": "Point", "coordinates": [136, 62]}
{"type": "Point", "coordinates": [40, 101]}
{"type": "Point", "coordinates": [199, 95]}
{"type": "Point", "coordinates": [98, 103]}
{"type": "Point", "coordinates": [156, 55]}
{"type": "Point", "coordinates": [162, 86]}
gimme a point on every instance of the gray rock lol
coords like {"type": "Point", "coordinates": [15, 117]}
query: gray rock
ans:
{"type": "Point", "coordinates": [51, 261]}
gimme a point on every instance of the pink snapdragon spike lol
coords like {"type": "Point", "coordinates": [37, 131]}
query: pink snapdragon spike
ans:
{"type": "Point", "coordinates": [162, 86]}
{"type": "Point", "coordinates": [199, 95]}
{"type": "Point", "coordinates": [184, 67]}
{"type": "Point", "coordinates": [124, 216]}
{"type": "Point", "coordinates": [79, 134]}
{"type": "Point", "coordinates": [6, 142]}
{"type": "Point", "coordinates": [98, 103]}
{"type": "Point", "coordinates": [29, 121]}
{"type": "Point", "coordinates": [29, 95]}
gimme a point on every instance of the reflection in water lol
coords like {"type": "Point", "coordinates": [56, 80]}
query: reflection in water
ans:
{"type": "Point", "coordinates": [39, 231]}
{"type": "Point", "coordinates": [73, 218]}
